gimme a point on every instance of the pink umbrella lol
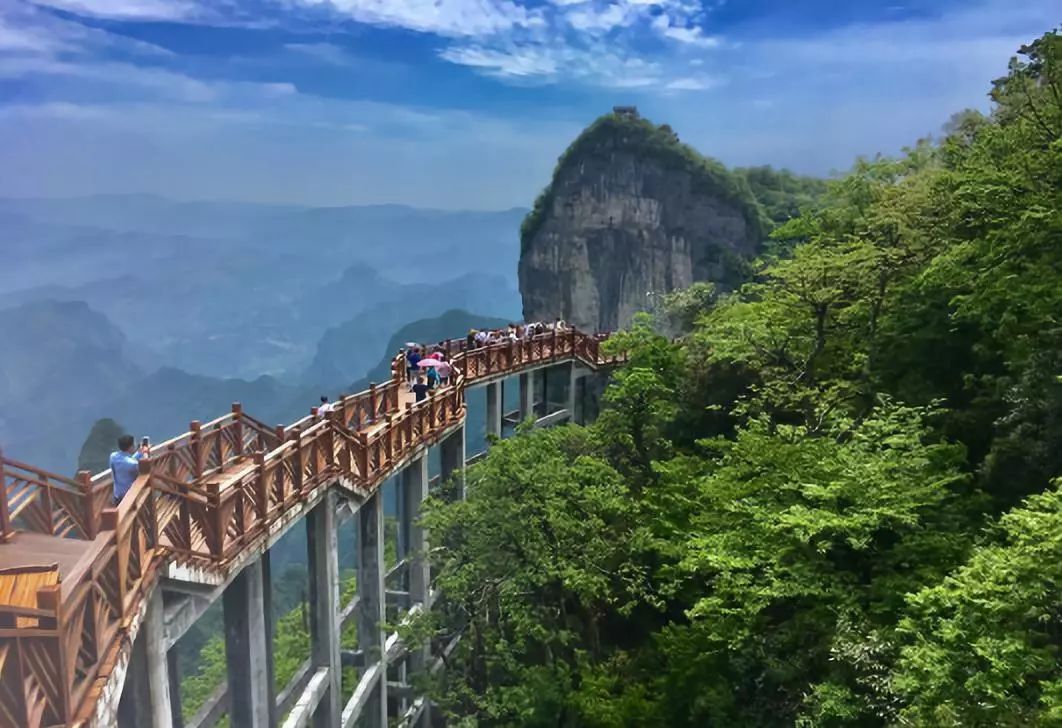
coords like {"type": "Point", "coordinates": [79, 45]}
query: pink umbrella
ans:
{"type": "Point", "coordinates": [428, 363]}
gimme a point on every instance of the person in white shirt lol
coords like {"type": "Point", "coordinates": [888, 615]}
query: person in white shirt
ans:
{"type": "Point", "coordinates": [325, 407]}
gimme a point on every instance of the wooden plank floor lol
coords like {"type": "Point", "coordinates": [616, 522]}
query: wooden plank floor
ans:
{"type": "Point", "coordinates": [233, 472]}
{"type": "Point", "coordinates": [36, 549]}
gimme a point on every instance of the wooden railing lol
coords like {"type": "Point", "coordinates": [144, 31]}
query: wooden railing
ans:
{"type": "Point", "coordinates": [42, 502]}
{"type": "Point", "coordinates": [202, 499]}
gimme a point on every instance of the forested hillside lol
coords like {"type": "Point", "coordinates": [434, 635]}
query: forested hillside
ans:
{"type": "Point", "coordinates": [833, 501]}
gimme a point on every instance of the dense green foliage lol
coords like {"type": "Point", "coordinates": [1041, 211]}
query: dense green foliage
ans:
{"type": "Point", "coordinates": [659, 143]}
{"type": "Point", "coordinates": [783, 194]}
{"type": "Point", "coordinates": [833, 501]}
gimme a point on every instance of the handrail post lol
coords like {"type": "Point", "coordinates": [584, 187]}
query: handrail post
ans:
{"type": "Point", "coordinates": [5, 516]}
{"type": "Point", "coordinates": [217, 546]}
{"type": "Point", "coordinates": [298, 469]}
{"type": "Point", "coordinates": [409, 424]}
{"type": "Point", "coordinates": [261, 487]}
{"type": "Point", "coordinates": [46, 501]}
{"type": "Point", "coordinates": [330, 439]}
{"type": "Point", "coordinates": [363, 455]}
{"type": "Point", "coordinates": [88, 504]}
{"type": "Point", "coordinates": [372, 400]}
{"type": "Point", "coordinates": [237, 417]}
{"type": "Point", "coordinates": [195, 445]}
{"type": "Point", "coordinates": [144, 468]}
{"type": "Point", "coordinates": [49, 598]}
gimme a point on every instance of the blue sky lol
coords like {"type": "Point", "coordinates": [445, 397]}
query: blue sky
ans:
{"type": "Point", "coordinates": [467, 103]}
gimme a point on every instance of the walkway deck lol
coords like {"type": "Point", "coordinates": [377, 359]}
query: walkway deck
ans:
{"type": "Point", "coordinates": [202, 499]}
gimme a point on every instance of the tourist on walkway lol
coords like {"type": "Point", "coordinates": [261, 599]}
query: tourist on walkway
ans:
{"type": "Point", "coordinates": [125, 465]}
{"type": "Point", "coordinates": [433, 377]}
{"type": "Point", "coordinates": [446, 372]}
{"type": "Point", "coordinates": [325, 407]}
{"type": "Point", "coordinates": [412, 362]}
{"type": "Point", "coordinates": [420, 388]}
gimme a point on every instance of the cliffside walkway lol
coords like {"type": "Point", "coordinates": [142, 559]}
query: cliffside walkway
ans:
{"type": "Point", "coordinates": [82, 583]}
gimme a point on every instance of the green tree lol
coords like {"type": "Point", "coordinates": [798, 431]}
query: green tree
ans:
{"type": "Point", "coordinates": [982, 647]}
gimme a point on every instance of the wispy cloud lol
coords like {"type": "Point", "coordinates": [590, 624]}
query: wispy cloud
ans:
{"type": "Point", "coordinates": [129, 9]}
{"type": "Point", "coordinates": [604, 43]}
{"type": "Point", "coordinates": [454, 18]}
{"type": "Point", "coordinates": [693, 83]}
{"type": "Point", "coordinates": [324, 52]}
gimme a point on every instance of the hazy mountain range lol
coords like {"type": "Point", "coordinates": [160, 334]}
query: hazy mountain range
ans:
{"type": "Point", "coordinates": [156, 312]}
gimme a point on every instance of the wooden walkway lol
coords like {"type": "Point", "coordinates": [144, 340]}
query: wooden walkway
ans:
{"type": "Point", "coordinates": [203, 499]}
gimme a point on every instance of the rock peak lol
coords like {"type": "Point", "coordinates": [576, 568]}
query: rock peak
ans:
{"type": "Point", "coordinates": [632, 212]}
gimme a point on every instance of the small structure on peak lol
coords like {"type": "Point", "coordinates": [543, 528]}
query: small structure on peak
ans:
{"type": "Point", "coordinates": [628, 112]}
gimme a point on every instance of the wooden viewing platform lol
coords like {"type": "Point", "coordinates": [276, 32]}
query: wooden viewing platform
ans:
{"type": "Point", "coordinates": [76, 573]}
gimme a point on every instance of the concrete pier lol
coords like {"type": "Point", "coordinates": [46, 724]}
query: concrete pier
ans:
{"type": "Point", "coordinates": [495, 397]}
{"type": "Point", "coordinates": [452, 459]}
{"type": "Point", "coordinates": [247, 650]}
{"type": "Point", "coordinates": [321, 547]}
{"type": "Point", "coordinates": [527, 395]}
{"type": "Point", "coordinates": [371, 613]}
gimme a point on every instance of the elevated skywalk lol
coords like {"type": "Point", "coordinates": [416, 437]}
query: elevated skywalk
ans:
{"type": "Point", "coordinates": [205, 503]}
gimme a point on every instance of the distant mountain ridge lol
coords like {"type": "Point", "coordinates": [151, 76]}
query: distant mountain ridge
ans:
{"type": "Point", "coordinates": [241, 289]}
{"type": "Point", "coordinates": [71, 366]}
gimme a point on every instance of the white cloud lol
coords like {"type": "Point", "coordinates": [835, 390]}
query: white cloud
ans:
{"type": "Point", "coordinates": [548, 62]}
{"type": "Point", "coordinates": [452, 18]}
{"type": "Point", "coordinates": [14, 38]}
{"type": "Point", "coordinates": [601, 19]}
{"type": "Point", "coordinates": [55, 110]}
{"type": "Point", "coordinates": [589, 42]}
{"type": "Point", "coordinates": [691, 35]}
{"type": "Point", "coordinates": [325, 52]}
{"type": "Point", "coordinates": [691, 83]}
{"type": "Point", "coordinates": [128, 9]}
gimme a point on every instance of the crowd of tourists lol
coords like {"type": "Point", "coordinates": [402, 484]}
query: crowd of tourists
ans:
{"type": "Point", "coordinates": [428, 370]}
{"type": "Point", "coordinates": [514, 332]}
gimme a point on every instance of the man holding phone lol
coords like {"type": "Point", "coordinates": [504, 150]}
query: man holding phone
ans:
{"type": "Point", "coordinates": [125, 464]}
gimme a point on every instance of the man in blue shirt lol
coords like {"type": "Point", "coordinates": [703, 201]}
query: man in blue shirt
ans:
{"type": "Point", "coordinates": [125, 465]}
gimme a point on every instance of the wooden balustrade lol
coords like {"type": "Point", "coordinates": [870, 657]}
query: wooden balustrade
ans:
{"type": "Point", "coordinates": [42, 502]}
{"type": "Point", "coordinates": [201, 499]}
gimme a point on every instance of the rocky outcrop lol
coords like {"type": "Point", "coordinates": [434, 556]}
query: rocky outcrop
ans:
{"type": "Point", "coordinates": [631, 213]}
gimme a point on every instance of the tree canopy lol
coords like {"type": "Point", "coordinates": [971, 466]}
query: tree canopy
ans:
{"type": "Point", "coordinates": [833, 500]}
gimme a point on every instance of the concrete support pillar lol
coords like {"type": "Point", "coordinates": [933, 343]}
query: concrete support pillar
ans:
{"type": "Point", "coordinates": [495, 397]}
{"type": "Point", "coordinates": [371, 611]}
{"type": "Point", "coordinates": [415, 485]}
{"type": "Point", "coordinates": [267, 610]}
{"type": "Point", "coordinates": [321, 547]}
{"type": "Point", "coordinates": [527, 395]}
{"type": "Point", "coordinates": [575, 414]}
{"type": "Point", "coordinates": [146, 695]}
{"type": "Point", "coordinates": [174, 672]}
{"type": "Point", "coordinates": [153, 632]}
{"type": "Point", "coordinates": [134, 708]}
{"type": "Point", "coordinates": [452, 458]}
{"type": "Point", "coordinates": [247, 650]}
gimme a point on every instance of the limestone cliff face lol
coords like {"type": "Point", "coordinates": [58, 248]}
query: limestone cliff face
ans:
{"type": "Point", "coordinates": [630, 214]}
